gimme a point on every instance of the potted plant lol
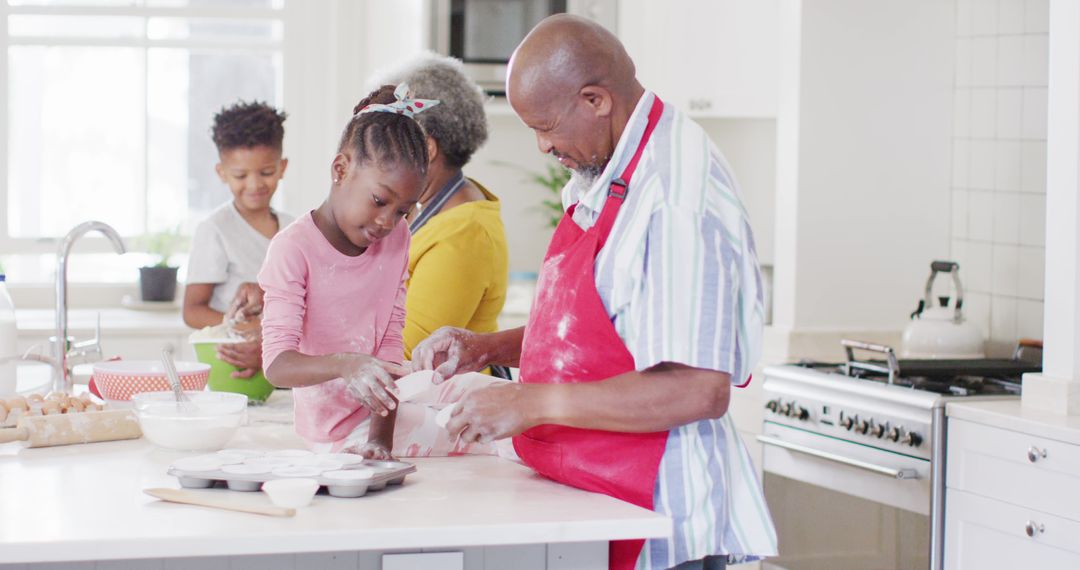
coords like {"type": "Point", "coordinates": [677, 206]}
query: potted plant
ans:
{"type": "Point", "coordinates": [554, 178]}
{"type": "Point", "coordinates": [157, 282]}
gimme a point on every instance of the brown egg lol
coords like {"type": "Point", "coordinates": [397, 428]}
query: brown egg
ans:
{"type": "Point", "coordinates": [56, 396]}
{"type": "Point", "coordinates": [35, 397]}
{"type": "Point", "coordinates": [75, 405]}
{"type": "Point", "coordinates": [17, 402]}
{"type": "Point", "coordinates": [50, 408]}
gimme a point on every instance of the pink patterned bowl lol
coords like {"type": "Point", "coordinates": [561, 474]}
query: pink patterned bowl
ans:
{"type": "Point", "coordinates": [122, 379]}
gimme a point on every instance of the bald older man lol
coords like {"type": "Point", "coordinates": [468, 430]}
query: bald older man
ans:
{"type": "Point", "coordinates": [649, 307]}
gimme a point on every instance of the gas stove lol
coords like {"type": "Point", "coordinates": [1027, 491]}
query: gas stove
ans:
{"type": "Point", "coordinates": [875, 428]}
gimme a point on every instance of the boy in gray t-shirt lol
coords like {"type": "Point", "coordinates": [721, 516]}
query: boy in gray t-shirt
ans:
{"type": "Point", "coordinates": [229, 245]}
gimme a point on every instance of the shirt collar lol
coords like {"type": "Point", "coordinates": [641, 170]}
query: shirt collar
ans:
{"type": "Point", "coordinates": [590, 200]}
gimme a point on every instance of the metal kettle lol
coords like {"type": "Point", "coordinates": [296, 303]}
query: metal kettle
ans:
{"type": "Point", "coordinates": [941, 331]}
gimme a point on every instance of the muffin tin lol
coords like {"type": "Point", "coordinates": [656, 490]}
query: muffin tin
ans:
{"type": "Point", "coordinates": [341, 474]}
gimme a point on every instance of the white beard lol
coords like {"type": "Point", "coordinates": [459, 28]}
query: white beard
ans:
{"type": "Point", "coordinates": [584, 178]}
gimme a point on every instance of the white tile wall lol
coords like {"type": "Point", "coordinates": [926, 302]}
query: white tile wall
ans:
{"type": "Point", "coordinates": [1007, 170]}
{"type": "Point", "coordinates": [1011, 17]}
{"type": "Point", "coordinates": [1010, 113]}
{"type": "Point", "coordinates": [1033, 167]}
{"type": "Point", "coordinates": [998, 197]}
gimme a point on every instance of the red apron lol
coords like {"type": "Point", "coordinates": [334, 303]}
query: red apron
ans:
{"type": "Point", "coordinates": [571, 338]}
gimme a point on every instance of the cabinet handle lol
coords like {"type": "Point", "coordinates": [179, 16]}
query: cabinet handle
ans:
{"type": "Point", "coordinates": [1032, 528]}
{"type": "Point", "coordinates": [1034, 453]}
{"type": "Point", "coordinates": [700, 104]}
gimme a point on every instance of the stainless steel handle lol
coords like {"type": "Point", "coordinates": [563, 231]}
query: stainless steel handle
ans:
{"type": "Point", "coordinates": [1032, 528]}
{"type": "Point", "coordinates": [880, 469]}
{"type": "Point", "coordinates": [893, 365]}
{"type": "Point", "coordinates": [1034, 454]}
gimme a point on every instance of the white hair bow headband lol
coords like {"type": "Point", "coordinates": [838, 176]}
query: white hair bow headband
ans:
{"type": "Point", "coordinates": [405, 104]}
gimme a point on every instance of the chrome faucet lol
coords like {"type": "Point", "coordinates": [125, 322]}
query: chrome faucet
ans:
{"type": "Point", "coordinates": [86, 350]}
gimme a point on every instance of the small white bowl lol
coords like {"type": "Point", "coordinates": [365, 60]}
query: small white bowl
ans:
{"type": "Point", "coordinates": [291, 493]}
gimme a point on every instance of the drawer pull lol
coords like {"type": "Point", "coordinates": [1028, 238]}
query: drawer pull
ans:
{"type": "Point", "coordinates": [1032, 528]}
{"type": "Point", "coordinates": [1034, 453]}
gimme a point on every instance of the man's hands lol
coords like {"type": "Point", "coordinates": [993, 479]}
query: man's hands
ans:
{"type": "Point", "coordinates": [450, 351]}
{"type": "Point", "coordinates": [497, 412]}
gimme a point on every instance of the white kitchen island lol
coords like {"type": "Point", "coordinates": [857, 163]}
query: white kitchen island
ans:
{"type": "Point", "coordinates": [83, 507]}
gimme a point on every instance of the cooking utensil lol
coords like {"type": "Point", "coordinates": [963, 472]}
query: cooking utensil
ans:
{"type": "Point", "coordinates": [216, 501]}
{"type": "Point", "coordinates": [66, 429]}
{"type": "Point", "coordinates": [941, 331]}
{"type": "Point", "coordinates": [183, 403]}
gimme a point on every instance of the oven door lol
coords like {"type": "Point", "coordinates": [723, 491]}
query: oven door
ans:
{"type": "Point", "coordinates": [869, 473]}
{"type": "Point", "coordinates": [839, 505]}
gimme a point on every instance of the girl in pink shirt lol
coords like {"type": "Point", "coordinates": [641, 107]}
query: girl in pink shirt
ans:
{"type": "Point", "coordinates": [334, 282]}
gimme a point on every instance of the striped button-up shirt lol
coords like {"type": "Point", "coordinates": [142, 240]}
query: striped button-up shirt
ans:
{"type": "Point", "coordinates": [679, 278]}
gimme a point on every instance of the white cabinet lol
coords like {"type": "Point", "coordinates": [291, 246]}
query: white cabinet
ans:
{"type": "Point", "coordinates": [986, 533]}
{"type": "Point", "coordinates": [1011, 499]}
{"type": "Point", "coordinates": [711, 58]}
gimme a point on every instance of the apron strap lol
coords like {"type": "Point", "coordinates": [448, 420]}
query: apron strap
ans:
{"type": "Point", "coordinates": [436, 203]}
{"type": "Point", "coordinates": [617, 190]}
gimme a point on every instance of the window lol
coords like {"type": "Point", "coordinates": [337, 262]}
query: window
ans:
{"type": "Point", "coordinates": [107, 107]}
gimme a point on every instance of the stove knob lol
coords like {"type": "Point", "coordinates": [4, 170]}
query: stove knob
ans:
{"type": "Point", "coordinates": [894, 433]}
{"type": "Point", "coordinates": [913, 439]}
{"type": "Point", "coordinates": [786, 409]}
{"type": "Point", "coordinates": [879, 430]}
{"type": "Point", "coordinates": [804, 414]}
{"type": "Point", "coordinates": [773, 405]}
{"type": "Point", "coordinates": [864, 426]}
{"type": "Point", "coordinates": [846, 421]}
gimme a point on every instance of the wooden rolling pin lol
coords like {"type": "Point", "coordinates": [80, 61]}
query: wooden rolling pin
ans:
{"type": "Point", "coordinates": [66, 429]}
{"type": "Point", "coordinates": [215, 500]}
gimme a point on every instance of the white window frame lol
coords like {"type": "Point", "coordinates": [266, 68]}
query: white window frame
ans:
{"type": "Point", "coordinates": [93, 243]}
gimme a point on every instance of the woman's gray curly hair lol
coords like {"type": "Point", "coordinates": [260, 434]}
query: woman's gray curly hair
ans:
{"type": "Point", "coordinates": [458, 124]}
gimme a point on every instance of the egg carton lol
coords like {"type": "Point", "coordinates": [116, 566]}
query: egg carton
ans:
{"type": "Point", "coordinates": [342, 475]}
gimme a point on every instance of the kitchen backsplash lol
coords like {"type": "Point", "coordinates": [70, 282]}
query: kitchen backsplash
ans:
{"type": "Point", "coordinates": [999, 165]}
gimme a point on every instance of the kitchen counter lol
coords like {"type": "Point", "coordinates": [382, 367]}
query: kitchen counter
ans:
{"type": "Point", "coordinates": [1010, 415]}
{"type": "Point", "coordinates": [85, 502]}
{"type": "Point", "coordinates": [113, 320]}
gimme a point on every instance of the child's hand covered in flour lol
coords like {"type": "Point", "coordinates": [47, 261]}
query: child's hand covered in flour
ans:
{"type": "Point", "coordinates": [371, 381]}
{"type": "Point", "coordinates": [370, 450]}
{"type": "Point", "coordinates": [449, 351]}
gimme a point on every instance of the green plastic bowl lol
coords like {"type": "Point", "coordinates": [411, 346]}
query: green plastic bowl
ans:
{"type": "Point", "coordinates": [257, 388]}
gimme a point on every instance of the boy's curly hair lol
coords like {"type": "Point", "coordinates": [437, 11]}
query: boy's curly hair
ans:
{"type": "Point", "coordinates": [247, 125]}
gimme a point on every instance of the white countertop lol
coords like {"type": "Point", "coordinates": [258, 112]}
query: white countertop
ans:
{"type": "Point", "coordinates": [85, 502]}
{"type": "Point", "coordinates": [113, 320]}
{"type": "Point", "coordinates": [1011, 415]}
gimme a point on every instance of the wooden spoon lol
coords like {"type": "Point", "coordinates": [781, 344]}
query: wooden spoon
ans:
{"type": "Point", "coordinates": [209, 500]}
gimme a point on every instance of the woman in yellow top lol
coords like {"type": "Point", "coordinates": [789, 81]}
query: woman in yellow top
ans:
{"type": "Point", "coordinates": [458, 262]}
